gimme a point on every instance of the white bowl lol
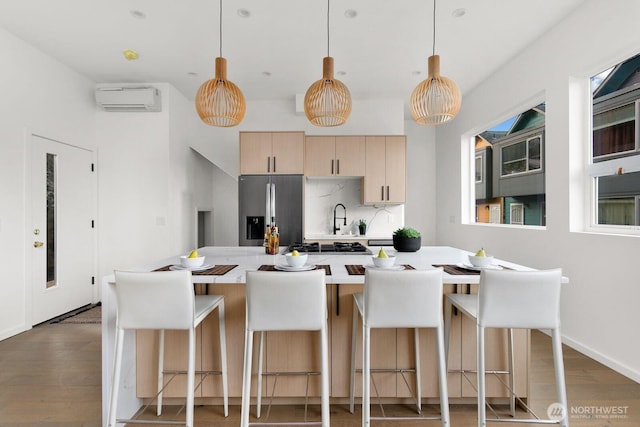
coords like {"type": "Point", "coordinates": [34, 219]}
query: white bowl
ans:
{"type": "Point", "coordinates": [191, 262]}
{"type": "Point", "coordinates": [481, 261]}
{"type": "Point", "coordinates": [296, 261]}
{"type": "Point", "coordinates": [383, 262]}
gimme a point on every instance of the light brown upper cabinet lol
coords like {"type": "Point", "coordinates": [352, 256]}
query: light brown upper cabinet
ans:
{"type": "Point", "coordinates": [385, 180]}
{"type": "Point", "coordinates": [334, 156]}
{"type": "Point", "coordinates": [271, 153]}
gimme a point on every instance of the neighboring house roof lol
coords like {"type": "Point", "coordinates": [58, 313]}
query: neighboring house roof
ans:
{"type": "Point", "coordinates": [526, 120]}
{"type": "Point", "coordinates": [624, 75]}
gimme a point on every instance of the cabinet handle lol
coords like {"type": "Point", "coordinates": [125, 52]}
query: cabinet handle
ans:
{"type": "Point", "coordinates": [338, 168]}
{"type": "Point", "coordinates": [269, 164]}
{"type": "Point", "coordinates": [387, 192]}
{"type": "Point", "coordinates": [382, 193]}
{"type": "Point", "coordinates": [274, 164]}
{"type": "Point", "coordinates": [338, 300]}
{"type": "Point", "coordinates": [331, 166]}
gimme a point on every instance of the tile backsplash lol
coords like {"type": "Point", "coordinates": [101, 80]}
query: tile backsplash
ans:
{"type": "Point", "coordinates": [322, 195]}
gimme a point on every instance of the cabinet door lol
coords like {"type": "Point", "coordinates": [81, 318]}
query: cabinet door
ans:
{"type": "Point", "coordinates": [288, 153]}
{"type": "Point", "coordinates": [375, 169]}
{"type": "Point", "coordinates": [319, 155]}
{"type": "Point", "coordinates": [255, 153]}
{"type": "Point", "coordinates": [350, 156]}
{"type": "Point", "coordinates": [383, 348]}
{"type": "Point", "coordinates": [396, 155]}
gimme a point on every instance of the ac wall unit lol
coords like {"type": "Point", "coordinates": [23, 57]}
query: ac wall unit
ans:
{"type": "Point", "coordinates": [128, 99]}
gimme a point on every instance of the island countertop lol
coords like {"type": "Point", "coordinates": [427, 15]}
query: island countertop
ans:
{"type": "Point", "coordinates": [251, 258]}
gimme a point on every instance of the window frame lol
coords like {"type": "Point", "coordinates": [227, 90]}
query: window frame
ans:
{"type": "Point", "coordinates": [611, 164]}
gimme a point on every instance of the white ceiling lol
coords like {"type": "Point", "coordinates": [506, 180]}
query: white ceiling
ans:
{"type": "Point", "coordinates": [383, 51]}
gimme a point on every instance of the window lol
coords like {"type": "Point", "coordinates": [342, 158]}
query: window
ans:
{"type": "Point", "coordinates": [521, 157]}
{"type": "Point", "coordinates": [509, 171]}
{"type": "Point", "coordinates": [615, 151]}
{"type": "Point", "coordinates": [517, 213]}
{"type": "Point", "coordinates": [614, 131]}
{"type": "Point", "coordinates": [478, 169]}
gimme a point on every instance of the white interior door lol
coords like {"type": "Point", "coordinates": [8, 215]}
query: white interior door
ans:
{"type": "Point", "coordinates": [62, 206]}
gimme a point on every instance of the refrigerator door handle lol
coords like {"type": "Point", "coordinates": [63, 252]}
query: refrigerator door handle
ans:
{"type": "Point", "coordinates": [267, 209]}
{"type": "Point", "coordinates": [273, 204]}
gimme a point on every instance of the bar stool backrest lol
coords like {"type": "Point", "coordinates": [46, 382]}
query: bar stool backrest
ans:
{"type": "Point", "coordinates": [286, 301]}
{"type": "Point", "coordinates": [403, 299]}
{"type": "Point", "coordinates": [519, 299]}
{"type": "Point", "coordinates": [155, 300]}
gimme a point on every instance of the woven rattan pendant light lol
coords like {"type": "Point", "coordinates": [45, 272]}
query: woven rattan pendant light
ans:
{"type": "Point", "coordinates": [219, 102]}
{"type": "Point", "coordinates": [327, 101]}
{"type": "Point", "coordinates": [437, 99]}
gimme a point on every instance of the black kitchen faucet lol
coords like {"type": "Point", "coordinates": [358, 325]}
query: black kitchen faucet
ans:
{"type": "Point", "coordinates": [335, 229]}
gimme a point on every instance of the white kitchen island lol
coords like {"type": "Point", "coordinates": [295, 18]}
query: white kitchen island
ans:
{"type": "Point", "coordinates": [251, 258]}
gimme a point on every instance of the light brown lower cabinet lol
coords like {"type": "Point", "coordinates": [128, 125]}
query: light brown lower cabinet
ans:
{"type": "Point", "coordinates": [300, 351]}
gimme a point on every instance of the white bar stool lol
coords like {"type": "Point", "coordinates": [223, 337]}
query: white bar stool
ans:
{"type": "Point", "coordinates": [159, 301]}
{"type": "Point", "coordinates": [285, 301]}
{"type": "Point", "coordinates": [514, 300]}
{"type": "Point", "coordinates": [399, 299]}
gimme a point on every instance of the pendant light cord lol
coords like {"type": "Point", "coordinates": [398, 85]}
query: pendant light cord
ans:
{"type": "Point", "coordinates": [328, 28]}
{"type": "Point", "coordinates": [220, 28]}
{"type": "Point", "coordinates": [434, 27]}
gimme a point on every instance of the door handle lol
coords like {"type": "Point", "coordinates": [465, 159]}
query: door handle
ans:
{"type": "Point", "coordinates": [37, 244]}
{"type": "Point", "coordinates": [338, 167]}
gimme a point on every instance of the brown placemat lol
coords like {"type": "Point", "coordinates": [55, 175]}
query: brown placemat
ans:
{"type": "Point", "coordinates": [456, 270]}
{"type": "Point", "coordinates": [358, 270]}
{"type": "Point", "coordinates": [216, 270]}
{"type": "Point", "coordinates": [326, 267]}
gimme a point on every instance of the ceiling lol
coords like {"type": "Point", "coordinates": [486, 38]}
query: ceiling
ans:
{"type": "Point", "coordinates": [276, 52]}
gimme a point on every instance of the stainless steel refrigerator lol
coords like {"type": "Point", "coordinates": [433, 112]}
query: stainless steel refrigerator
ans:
{"type": "Point", "coordinates": [265, 200]}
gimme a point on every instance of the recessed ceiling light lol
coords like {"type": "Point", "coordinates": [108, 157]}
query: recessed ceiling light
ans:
{"type": "Point", "coordinates": [341, 73]}
{"type": "Point", "coordinates": [266, 73]}
{"type": "Point", "coordinates": [458, 13]}
{"type": "Point", "coordinates": [192, 74]}
{"type": "Point", "coordinates": [130, 55]}
{"type": "Point", "coordinates": [416, 72]}
{"type": "Point", "coordinates": [138, 14]}
{"type": "Point", "coordinates": [244, 13]}
{"type": "Point", "coordinates": [350, 13]}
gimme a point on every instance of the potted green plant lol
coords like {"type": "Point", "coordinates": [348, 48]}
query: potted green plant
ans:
{"type": "Point", "coordinates": [407, 239]}
{"type": "Point", "coordinates": [362, 227]}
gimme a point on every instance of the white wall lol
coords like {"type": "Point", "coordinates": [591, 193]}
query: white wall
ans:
{"type": "Point", "coordinates": [599, 310]}
{"type": "Point", "coordinates": [148, 195]}
{"type": "Point", "coordinates": [40, 95]}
